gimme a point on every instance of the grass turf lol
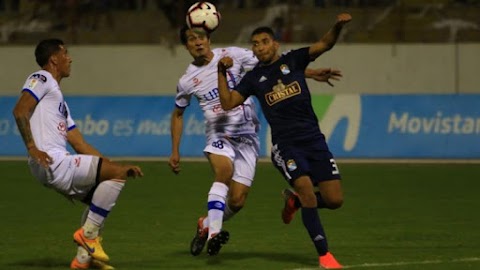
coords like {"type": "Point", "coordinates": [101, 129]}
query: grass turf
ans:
{"type": "Point", "coordinates": [394, 217]}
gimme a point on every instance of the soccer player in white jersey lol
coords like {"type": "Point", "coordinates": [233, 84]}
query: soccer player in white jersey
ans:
{"type": "Point", "coordinates": [232, 144]}
{"type": "Point", "coordinates": [46, 125]}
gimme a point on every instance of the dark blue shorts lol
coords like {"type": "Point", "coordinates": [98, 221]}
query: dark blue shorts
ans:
{"type": "Point", "coordinates": [295, 161]}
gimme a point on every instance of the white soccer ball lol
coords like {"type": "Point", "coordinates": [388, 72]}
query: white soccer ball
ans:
{"type": "Point", "coordinates": [203, 15]}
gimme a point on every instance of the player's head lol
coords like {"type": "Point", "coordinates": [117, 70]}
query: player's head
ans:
{"type": "Point", "coordinates": [264, 45]}
{"type": "Point", "coordinates": [196, 40]}
{"type": "Point", "coordinates": [52, 54]}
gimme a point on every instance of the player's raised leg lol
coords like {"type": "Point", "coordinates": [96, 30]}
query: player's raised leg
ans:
{"type": "Point", "coordinates": [112, 179]}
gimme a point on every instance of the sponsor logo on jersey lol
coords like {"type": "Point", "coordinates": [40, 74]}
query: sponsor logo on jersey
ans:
{"type": "Point", "coordinates": [63, 109]}
{"type": "Point", "coordinates": [284, 69]}
{"type": "Point", "coordinates": [32, 83]}
{"type": "Point", "coordinates": [291, 165]}
{"type": "Point", "coordinates": [39, 77]}
{"type": "Point", "coordinates": [196, 82]}
{"type": "Point", "coordinates": [281, 92]}
{"type": "Point", "coordinates": [77, 161]}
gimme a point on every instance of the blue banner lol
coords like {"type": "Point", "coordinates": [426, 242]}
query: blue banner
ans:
{"type": "Point", "coordinates": [356, 126]}
{"type": "Point", "coordinates": [404, 126]}
{"type": "Point", "coordinates": [130, 126]}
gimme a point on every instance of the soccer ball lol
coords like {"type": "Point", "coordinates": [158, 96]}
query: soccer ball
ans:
{"type": "Point", "coordinates": [203, 15]}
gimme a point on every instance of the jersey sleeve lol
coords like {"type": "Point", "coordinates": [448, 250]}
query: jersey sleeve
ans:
{"type": "Point", "coordinates": [182, 98]}
{"type": "Point", "coordinates": [37, 85]}
{"type": "Point", "coordinates": [70, 123]}
{"type": "Point", "coordinates": [300, 57]}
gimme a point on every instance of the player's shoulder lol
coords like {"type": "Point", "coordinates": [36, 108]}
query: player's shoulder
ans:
{"type": "Point", "coordinates": [40, 80]}
{"type": "Point", "coordinates": [187, 78]}
{"type": "Point", "coordinates": [232, 51]}
{"type": "Point", "coordinates": [290, 52]}
{"type": "Point", "coordinates": [42, 76]}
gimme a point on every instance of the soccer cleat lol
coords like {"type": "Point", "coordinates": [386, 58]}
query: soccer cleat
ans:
{"type": "Point", "coordinates": [93, 246]}
{"type": "Point", "coordinates": [327, 261]}
{"type": "Point", "coordinates": [200, 238]}
{"type": "Point", "coordinates": [96, 264]}
{"type": "Point", "coordinates": [75, 264]}
{"type": "Point", "coordinates": [289, 210]}
{"type": "Point", "coordinates": [93, 264]}
{"type": "Point", "coordinates": [216, 242]}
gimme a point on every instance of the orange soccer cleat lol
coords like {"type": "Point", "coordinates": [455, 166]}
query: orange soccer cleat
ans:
{"type": "Point", "coordinates": [289, 210]}
{"type": "Point", "coordinates": [327, 261]}
{"type": "Point", "coordinates": [93, 246]}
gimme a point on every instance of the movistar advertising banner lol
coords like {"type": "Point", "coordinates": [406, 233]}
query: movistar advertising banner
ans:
{"type": "Point", "coordinates": [400, 126]}
{"type": "Point", "coordinates": [356, 126]}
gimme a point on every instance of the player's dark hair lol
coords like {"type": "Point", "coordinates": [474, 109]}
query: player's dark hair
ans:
{"type": "Point", "coordinates": [183, 34]}
{"type": "Point", "coordinates": [45, 49]}
{"type": "Point", "coordinates": [263, 29]}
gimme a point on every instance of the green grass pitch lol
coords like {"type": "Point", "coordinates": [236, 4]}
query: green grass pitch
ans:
{"type": "Point", "coordinates": [395, 216]}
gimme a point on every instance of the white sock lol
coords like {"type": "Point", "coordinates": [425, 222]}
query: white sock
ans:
{"type": "Point", "coordinates": [216, 204]}
{"type": "Point", "coordinates": [82, 255]}
{"type": "Point", "coordinates": [103, 201]}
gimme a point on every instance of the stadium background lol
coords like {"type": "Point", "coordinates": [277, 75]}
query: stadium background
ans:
{"type": "Point", "coordinates": [410, 85]}
{"type": "Point", "coordinates": [409, 67]}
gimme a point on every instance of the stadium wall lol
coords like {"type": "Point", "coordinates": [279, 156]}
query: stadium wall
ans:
{"type": "Point", "coordinates": [154, 69]}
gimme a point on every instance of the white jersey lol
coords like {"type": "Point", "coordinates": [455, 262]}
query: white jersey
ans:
{"type": "Point", "coordinates": [72, 175]}
{"type": "Point", "coordinates": [202, 82]}
{"type": "Point", "coordinates": [51, 119]}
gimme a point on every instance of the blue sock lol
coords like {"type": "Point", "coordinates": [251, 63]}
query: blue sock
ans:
{"type": "Point", "coordinates": [312, 223]}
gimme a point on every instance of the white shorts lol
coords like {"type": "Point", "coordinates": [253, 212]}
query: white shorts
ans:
{"type": "Point", "coordinates": [242, 151]}
{"type": "Point", "coordinates": [71, 175]}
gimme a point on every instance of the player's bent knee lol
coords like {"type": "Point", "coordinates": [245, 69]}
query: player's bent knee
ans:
{"type": "Point", "coordinates": [334, 203]}
{"type": "Point", "coordinates": [236, 203]}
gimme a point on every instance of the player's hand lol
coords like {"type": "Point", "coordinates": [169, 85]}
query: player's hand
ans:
{"type": "Point", "coordinates": [40, 157]}
{"type": "Point", "coordinates": [225, 63]}
{"type": "Point", "coordinates": [134, 171]}
{"type": "Point", "coordinates": [344, 18]}
{"type": "Point", "coordinates": [174, 163]}
{"type": "Point", "coordinates": [325, 75]}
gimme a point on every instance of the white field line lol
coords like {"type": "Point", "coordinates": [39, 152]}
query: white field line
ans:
{"type": "Point", "coordinates": [364, 265]}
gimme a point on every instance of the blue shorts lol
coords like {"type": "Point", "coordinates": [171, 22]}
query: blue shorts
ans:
{"type": "Point", "coordinates": [296, 161]}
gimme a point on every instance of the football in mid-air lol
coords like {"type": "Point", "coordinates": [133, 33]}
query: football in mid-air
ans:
{"type": "Point", "coordinates": [203, 15]}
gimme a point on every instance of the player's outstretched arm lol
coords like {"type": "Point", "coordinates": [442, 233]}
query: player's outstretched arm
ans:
{"type": "Point", "coordinates": [176, 129]}
{"type": "Point", "coordinates": [22, 112]}
{"type": "Point", "coordinates": [228, 99]}
{"type": "Point", "coordinates": [330, 38]}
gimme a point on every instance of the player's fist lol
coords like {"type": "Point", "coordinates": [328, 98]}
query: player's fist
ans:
{"type": "Point", "coordinates": [225, 63]}
{"type": "Point", "coordinates": [134, 172]}
{"type": "Point", "coordinates": [344, 18]}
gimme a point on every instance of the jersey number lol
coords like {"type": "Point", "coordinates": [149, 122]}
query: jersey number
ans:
{"type": "Point", "coordinates": [334, 166]}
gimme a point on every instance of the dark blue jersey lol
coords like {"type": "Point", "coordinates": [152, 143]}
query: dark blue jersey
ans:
{"type": "Point", "coordinates": [285, 98]}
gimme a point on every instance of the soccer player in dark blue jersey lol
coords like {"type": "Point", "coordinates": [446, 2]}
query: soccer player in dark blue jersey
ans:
{"type": "Point", "coordinates": [299, 150]}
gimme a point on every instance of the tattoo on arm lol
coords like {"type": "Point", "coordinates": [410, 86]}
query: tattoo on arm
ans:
{"type": "Point", "coordinates": [23, 125]}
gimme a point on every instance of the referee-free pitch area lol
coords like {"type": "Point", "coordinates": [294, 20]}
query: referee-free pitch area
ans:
{"type": "Point", "coordinates": [395, 216]}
